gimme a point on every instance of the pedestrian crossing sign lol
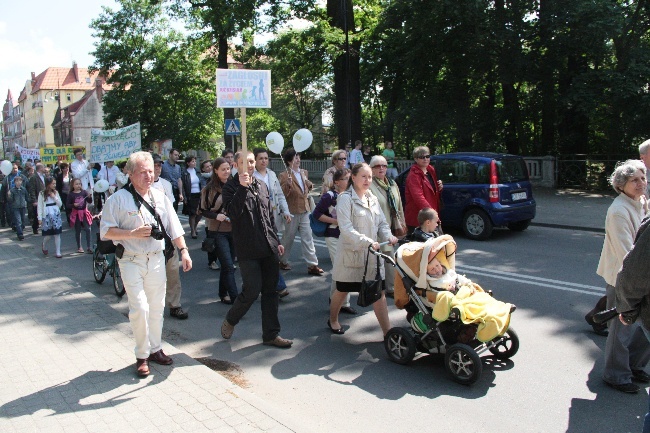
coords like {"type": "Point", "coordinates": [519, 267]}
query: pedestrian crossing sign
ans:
{"type": "Point", "coordinates": [233, 127]}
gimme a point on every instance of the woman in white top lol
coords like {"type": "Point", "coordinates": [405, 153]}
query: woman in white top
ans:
{"type": "Point", "coordinates": [627, 350]}
{"type": "Point", "coordinates": [191, 183]}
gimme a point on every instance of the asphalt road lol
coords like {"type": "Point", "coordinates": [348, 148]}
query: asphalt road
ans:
{"type": "Point", "coordinates": [346, 383]}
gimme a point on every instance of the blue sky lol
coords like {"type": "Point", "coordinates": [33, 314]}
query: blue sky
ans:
{"type": "Point", "coordinates": [36, 34]}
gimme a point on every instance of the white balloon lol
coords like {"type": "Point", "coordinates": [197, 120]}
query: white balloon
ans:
{"type": "Point", "coordinates": [302, 140]}
{"type": "Point", "coordinates": [275, 142]}
{"type": "Point", "coordinates": [101, 186]}
{"type": "Point", "coordinates": [5, 167]}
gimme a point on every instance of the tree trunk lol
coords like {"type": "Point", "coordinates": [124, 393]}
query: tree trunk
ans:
{"type": "Point", "coordinates": [347, 86]}
{"type": "Point", "coordinates": [547, 77]}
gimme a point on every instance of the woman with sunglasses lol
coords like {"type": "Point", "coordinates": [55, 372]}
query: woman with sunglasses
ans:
{"type": "Point", "coordinates": [423, 188]}
{"type": "Point", "coordinates": [339, 159]}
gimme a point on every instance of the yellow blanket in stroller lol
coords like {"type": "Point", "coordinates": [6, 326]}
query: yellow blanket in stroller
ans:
{"type": "Point", "coordinates": [491, 316]}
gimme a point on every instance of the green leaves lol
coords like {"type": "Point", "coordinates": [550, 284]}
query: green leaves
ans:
{"type": "Point", "coordinates": [157, 74]}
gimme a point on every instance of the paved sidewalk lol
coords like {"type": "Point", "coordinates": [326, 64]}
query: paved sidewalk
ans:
{"type": "Point", "coordinates": [68, 364]}
{"type": "Point", "coordinates": [572, 209]}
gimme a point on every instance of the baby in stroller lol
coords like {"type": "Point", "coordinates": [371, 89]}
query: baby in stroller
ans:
{"type": "Point", "coordinates": [448, 312]}
{"type": "Point", "coordinates": [432, 263]}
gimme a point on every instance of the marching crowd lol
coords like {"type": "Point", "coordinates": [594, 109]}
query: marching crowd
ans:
{"type": "Point", "coordinates": [252, 217]}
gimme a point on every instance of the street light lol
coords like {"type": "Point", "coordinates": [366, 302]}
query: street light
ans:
{"type": "Point", "coordinates": [58, 98]}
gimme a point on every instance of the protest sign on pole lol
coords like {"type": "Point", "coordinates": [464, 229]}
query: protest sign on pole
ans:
{"type": "Point", "coordinates": [26, 154]}
{"type": "Point", "coordinates": [52, 155]}
{"type": "Point", "coordinates": [114, 144]}
{"type": "Point", "coordinates": [243, 88]}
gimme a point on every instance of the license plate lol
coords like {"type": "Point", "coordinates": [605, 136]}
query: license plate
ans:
{"type": "Point", "coordinates": [519, 196]}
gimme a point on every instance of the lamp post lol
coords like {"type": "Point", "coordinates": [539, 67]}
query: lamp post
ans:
{"type": "Point", "coordinates": [344, 4]}
{"type": "Point", "coordinates": [58, 98]}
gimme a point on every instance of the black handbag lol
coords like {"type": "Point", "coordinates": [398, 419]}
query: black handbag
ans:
{"type": "Point", "coordinates": [370, 291]}
{"type": "Point", "coordinates": [209, 245]}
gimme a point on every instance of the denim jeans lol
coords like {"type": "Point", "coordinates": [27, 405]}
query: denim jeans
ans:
{"type": "Point", "coordinates": [19, 219]}
{"type": "Point", "coordinates": [226, 253]}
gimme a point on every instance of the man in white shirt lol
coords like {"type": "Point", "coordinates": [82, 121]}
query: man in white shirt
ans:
{"type": "Point", "coordinates": [81, 169]}
{"type": "Point", "coordinates": [174, 289]}
{"type": "Point", "coordinates": [109, 173]}
{"type": "Point", "coordinates": [127, 220]}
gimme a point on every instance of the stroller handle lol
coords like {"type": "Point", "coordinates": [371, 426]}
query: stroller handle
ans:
{"type": "Point", "coordinates": [386, 257]}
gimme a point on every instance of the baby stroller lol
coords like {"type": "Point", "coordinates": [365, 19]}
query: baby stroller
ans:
{"type": "Point", "coordinates": [459, 333]}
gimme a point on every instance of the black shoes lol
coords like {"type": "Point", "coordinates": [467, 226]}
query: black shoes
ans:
{"type": "Point", "coordinates": [640, 376]}
{"type": "Point", "coordinates": [599, 328]}
{"type": "Point", "coordinates": [339, 331]}
{"type": "Point", "coordinates": [178, 313]}
{"type": "Point", "coordinates": [348, 310]}
{"type": "Point", "coordinates": [629, 387]}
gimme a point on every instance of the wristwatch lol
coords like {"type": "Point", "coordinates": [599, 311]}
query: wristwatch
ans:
{"type": "Point", "coordinates": [181, 249]}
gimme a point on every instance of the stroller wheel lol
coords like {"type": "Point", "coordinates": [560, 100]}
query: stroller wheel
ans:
{"type": "Point", "coordinates": [507, 346]}
{"type": "Point", "coordinates": [400, 345]}
{"type": "Point", "coordinates": [463, 364]}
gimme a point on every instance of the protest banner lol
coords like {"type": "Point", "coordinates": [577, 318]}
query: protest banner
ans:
{"type": "Point", "coordinates": [52, 155]}
{"type": "Point", "coordinates": [26, 154]}
{"type": "Point", "coordinates": [114, 144]}
{"type": "Point", "coordinates": [242, 88]}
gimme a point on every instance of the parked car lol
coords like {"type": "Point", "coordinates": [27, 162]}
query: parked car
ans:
{"type": "Point", "coordinates": [482, 190]}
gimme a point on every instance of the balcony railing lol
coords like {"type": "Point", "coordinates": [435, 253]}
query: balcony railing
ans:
{"type": "Point", "coordinates": [37, 104]}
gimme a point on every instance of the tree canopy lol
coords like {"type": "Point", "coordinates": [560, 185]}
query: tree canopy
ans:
{"type": "Point", "coordinates": [522, 76]}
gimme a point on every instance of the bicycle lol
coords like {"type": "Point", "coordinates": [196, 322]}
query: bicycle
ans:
{"type": "Point", "coordinates": [104, 262]}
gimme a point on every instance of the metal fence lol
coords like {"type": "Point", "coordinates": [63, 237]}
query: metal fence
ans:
{"type": "Point", "coordinates": [588, 172]}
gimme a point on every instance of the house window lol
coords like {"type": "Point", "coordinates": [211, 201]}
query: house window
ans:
{"type": "Point", "coordinates": [68, 96]}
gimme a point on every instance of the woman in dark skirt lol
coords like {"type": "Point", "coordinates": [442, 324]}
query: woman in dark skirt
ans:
{"type": "Point", "coordinates": [362, 224]}
{"type": "Point", "coordinates": [191, 185]}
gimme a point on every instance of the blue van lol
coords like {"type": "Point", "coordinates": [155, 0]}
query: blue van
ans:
{"type": "Point", "coordinates": [483, 190]}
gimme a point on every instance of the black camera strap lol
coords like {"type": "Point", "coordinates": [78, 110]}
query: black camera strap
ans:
{"type": "Point", "coordinates": [169, 245]}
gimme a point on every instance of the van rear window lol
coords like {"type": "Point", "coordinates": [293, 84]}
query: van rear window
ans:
{"type": "Point", "coordinates": [512, 170]}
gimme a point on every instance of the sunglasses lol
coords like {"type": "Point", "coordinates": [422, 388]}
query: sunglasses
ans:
{"type": "Point", "coordinates": [379, 166]}
{"type": "Point", "coordinates": [423, 156]}
{"type": "Point", "coordinates": [341, 159]}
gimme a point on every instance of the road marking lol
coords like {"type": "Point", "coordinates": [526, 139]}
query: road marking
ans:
{"type": "Point", "coordinates": [519, 278]}
{"type": "Point", "coordinates": [535, 281]}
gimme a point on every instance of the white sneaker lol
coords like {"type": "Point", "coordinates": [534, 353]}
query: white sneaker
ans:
{"type": "Point", "coordinates": [214, 266]}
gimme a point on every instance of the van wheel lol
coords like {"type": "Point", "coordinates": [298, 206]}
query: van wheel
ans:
{"type": "Point", "coordinates": [477, 225]}
{"type": "Point", "coordinates": [519, 226]}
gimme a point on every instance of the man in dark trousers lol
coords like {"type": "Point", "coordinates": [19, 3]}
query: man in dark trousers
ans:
{"type": "Point", "coordinates": [633, 289]}
{"type": "Point", "coordinates": [35, 186]}
{"type": "Point", "coordinates": [246, 201]}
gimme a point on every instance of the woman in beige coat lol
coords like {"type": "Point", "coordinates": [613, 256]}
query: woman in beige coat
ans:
{"type": "Point", "coordinates": [627, 350]}
{"type": "Point", "coordinates": [362, 223]}
{"type": "Point", "coordinates": [382, 186]}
